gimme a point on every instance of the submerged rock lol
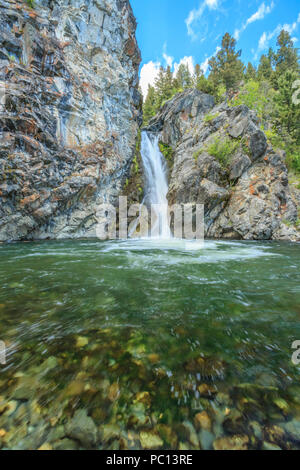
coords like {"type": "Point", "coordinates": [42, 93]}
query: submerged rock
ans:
{"type": "Point", "coordinates": [74, 388]}
{"type": "Point", "coordinates": [168, 435]}
{"type": "Point", "coordinates": [109, 431]}
{"type": "Point", "coordinates": [150, 440]}
{"type": "Point", "coordinates": [114, 392]}
{"type": "Point", "coordinates": [207, 391]}
{"type": "Point", "coordinates": [231, 443]}
{"type": "Point", "coordinates": [203, 421]}
{"type": "Point", "coordinates": [65, 444]}
{"type": "Point", "coordinates": [82, 428]}
{"type": "Point", "coordinates": [269, 446]}
{"type": "Point", "coordinates": [81, 342]}
{"type": "Point", "coordinates": [293, 429]}
{"type": "Point", "coordinates": [46, 446]}
{"type": "Point", "coordinates": [206, 439]}
{"type": "Point", "coordinates": [275, 434]}
{"type": "Point", "coordinates": [188, 431]}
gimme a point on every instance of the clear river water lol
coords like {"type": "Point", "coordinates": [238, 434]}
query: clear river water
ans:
{"type": "Point", "coordinates": [157, 344]}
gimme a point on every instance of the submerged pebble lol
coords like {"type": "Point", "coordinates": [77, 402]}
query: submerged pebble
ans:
{"type": "Point", "coordinates": [154, 359]}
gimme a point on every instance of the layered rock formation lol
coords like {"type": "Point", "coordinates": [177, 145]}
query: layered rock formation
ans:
{"type": "Point", "coordinates": [69, 113]}
{"type": "Point", "coordinates": [222, 159]}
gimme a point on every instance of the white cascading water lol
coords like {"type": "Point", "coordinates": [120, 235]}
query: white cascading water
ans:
{"type": "Point", "coordinates": [156, 182]}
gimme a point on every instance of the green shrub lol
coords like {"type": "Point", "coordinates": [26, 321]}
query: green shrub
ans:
{"type": "Point", "coordinates": [167, 152]}
{"type": "Point", "coordinates": [210, 117]}
{"type": "Point", "coordinates": [197, 154]}
{"type": "Point", "coordinates": [293, 161]}
{"type": "Point", "coordinates": [220, 94]}
{"type": "Point", "coordinates": [30, 3]}
{"type": "Point", "coordinates": [223, 149]}
{"type": "Point", "coordinates": [135, 164]}
{"type": "Point", "coordinates": [287, 223]}
{"type": "Point", "coordinates": [273, 138]}
{"type": "Point", "coordinates": [257, 96]}
{"type": "Point", "coordinates": [245, 146]}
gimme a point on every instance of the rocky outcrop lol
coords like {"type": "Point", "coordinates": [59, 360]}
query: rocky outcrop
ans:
{"type": "Point", "coordinates": [222, 159]}
{"type": "Point", "coordinates": [69, 113]}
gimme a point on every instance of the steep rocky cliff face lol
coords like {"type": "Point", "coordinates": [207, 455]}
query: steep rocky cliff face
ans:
{"type": "Point", "coordinates": [222, 159]}
{"type": "Point", "coordinates": [69, 113]}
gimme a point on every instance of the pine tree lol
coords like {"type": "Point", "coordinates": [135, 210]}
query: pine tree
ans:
{"type": "Point", "coordinates": [159, 85]}
{"type": "Point", "coordinates": [183, 78]}
{"type": "Point", "coordinates": [265, 71]}
{"type": "Point", "coordinates": [227, 68]}
{"type": "Point", "coordinates": [286, 57]}
{"type": "Point", "coordinates": [164, 86]}
{"type": "Point", "coordinates": [202, 83]}
{"type": "Point", "coordinates": [287, 114]}
{"type": "Point", "coordinates": [197, 75]}
{"type": "Point", "coordinates": [250, 72]}
{"type": "Point", "coordinates": [169, 84]}
{"type": "Point", "coordinates": [149, 108]}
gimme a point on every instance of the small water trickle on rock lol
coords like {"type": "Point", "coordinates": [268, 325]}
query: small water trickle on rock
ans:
{"type": "Point", "coordinates": [156, 184]}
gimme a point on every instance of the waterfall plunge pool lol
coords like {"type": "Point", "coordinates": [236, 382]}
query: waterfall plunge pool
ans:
{"type": "Point", "coordinates": [157, 343]}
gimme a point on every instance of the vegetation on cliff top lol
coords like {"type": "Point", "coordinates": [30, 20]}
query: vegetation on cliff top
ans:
{"type": "Point", "coordinates": [222, 149]}
{"type": "Point", "coordinates": [268, 89]}
{"type": "Point", "coordinates": [30, 3]}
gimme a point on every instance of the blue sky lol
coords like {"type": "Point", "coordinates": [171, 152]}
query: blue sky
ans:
{"type": "Point", "coordinates": [190, 31]}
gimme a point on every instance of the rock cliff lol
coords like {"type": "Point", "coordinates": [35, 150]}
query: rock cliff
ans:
{"type": "Point", "coordinates": [69, 113]}
{"type": "Point", "coordinates": [221, 158]}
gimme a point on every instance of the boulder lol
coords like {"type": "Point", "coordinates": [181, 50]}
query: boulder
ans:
{"type": "Point", "coordinates": [238, 166]}
{"type": "Point", "coordinates": [221, 158]}
{"type": "Point", "coordinates": [83, 429]}
{"type": "Point", "coordinates": [258, 144]}
{"type": "Point", "coordinates": [72, 112]}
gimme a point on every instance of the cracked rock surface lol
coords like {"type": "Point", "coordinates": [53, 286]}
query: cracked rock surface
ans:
{"type": "Point", "coordinates": [247, 198]}
{"type": "Point", "coordinates": [69, 113]}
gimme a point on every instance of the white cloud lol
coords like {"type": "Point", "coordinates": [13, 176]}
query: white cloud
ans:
{"type": "Point", "coordinates": [262, 11]}
{"type": "Point", "coordinates": [264, 41]}
{"type": "Point", "coordinates": [189, 61]}
{"type": "Point", "coordinates": [195, 15]}
{"type": "Point", "coordinates": [168, 59]}
{"type": "Point", "coordinates": [212, 3]}
{"type": "Point", "coordinates": [205, 64]}
{"type": "Point", "coordinates": [149, 73]}
{"type": "Point", "coordinates": [267, 37]}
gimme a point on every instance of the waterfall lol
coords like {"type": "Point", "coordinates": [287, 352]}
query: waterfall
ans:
{"type": "Point", "coordinates": [156, 183]}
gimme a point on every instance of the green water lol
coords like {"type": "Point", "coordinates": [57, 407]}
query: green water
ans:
{"type": "Point", "coordinates": [144, 336]}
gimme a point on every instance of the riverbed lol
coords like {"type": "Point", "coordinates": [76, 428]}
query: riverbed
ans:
{"type": "Point", "coordinates": [149, 344]}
